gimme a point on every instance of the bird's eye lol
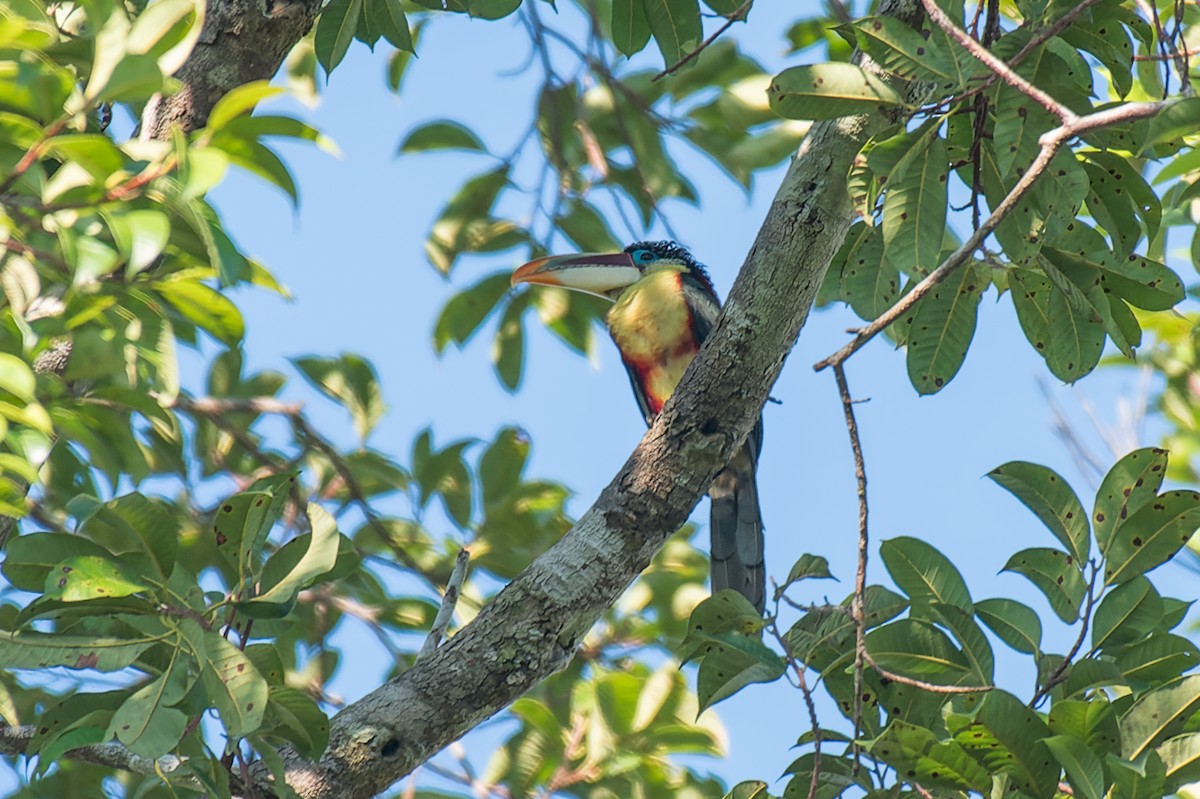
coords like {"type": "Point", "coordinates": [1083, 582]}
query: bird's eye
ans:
{"type": "Point", "coordinates": [645, 256]}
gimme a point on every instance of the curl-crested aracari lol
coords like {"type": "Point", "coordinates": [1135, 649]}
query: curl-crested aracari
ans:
{"type": "Point", "coordinates": [664, 306]}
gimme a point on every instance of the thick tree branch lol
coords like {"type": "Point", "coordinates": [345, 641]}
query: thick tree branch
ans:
{"type": "Point", "coordinates": [241, 41]}
{"type": "Point", "coordinates": [533, 626]}
{"type": "Point", "coordinates": [15, 740]}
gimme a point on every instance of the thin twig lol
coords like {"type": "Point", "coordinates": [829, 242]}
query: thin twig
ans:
{"type": "Point", "coordinates": [446, 612]}
{"type": "Point", "coordinates": [736, 16]}
{"type": "Point", "coordinates": [860, 577]}
{"type": "Point", "coordinates": [995, 64]}
{"type": "Point", "coordinates": [925, 686]}
{"type": "Point", "coordinates": [1050, 143]}
{"type": "Point", "coordinates": [1059, 674]}
{"type": "Point", "coordinates": [802, 683]}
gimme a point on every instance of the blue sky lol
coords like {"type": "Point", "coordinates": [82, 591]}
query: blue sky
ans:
{"type": "Point", "coordinates": [352, 257]}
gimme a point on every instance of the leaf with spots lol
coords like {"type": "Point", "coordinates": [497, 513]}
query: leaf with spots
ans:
{"type": "Point", "coordinates": [233, 686]}
{"type": "Point", "coordinates": [92, 577]}
{"type": "Point", "coordinates": [1107, 40]}
{"type": "Point", "coordinates": [1007, 738]}
{"type": "Point", "coordinates": [1030, 292]}
{"type": "Point", "coordinates": [870, 284]}
{"type": "Point", "coordinates": [1152, 535]}
{"type": "Point", "coordinates": [942, 329]}
{"type": "Point", "coordinates": [1126, 613]}
{"type": "Point", "coordinates": [1156, 713]}
{"type": "Point", "coordinates": [1130, 483]}
{"type": "Point", "coordinates": [1056, 575]}
{"type": "Point", "coordinates": [917, 754]}
{"type": "Point", "coordinates": [904, 52]}
{"type": "Point", "coordinates": [1130, 182]}
{"type": "Point", "coordinates": [1113, 209]}
{"type": "Point", "coordinates": [1015, 623]}
{"type": "Point", "coordinates": [924, 574]}
{"type": "Point", "coordinates": [1076, 339]}
{"type": "Point", "coordinates": [1093, 721]}
{"type": "Point", "coordinates": [732, 662]}
{"type": "Point", "coordinates": [243, 521]}
{"type": "Point", "coordinates": [724, 612]}
{"type": "Point", "coordinates": [970, 637]}
{"type": "Point", "coordinates": [1083, 768]}
{"type": "Point", "coordinates": [1082, 283]}
{"type": "Point", "coordinates": [1141, 282]}
{"type": "Point", "coordinates": [914, 205]}
{"type": "Point", "coordinates": [829, 91]}
{"type": "Point", "coordinates": [146, 722]}
{"type": "Point", "coordinates": [1052, 500]}
{"type": "Point", "coordinates": [31, 557]}
{"type": "Point", "coordinates": [44, 650]}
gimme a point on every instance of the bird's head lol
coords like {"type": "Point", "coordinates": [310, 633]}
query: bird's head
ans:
{"type": "Point", "coordinates": [608, 274]}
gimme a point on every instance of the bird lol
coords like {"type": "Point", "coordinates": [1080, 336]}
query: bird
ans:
{"type": "Point", "coordinates": [663, 307]}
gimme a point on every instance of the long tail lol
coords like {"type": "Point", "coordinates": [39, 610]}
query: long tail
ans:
{"type": "Point", "coordinates": [737, 530]}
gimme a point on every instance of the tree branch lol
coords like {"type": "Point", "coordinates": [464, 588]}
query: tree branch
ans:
{"type": "Point", "coordinates": [15, 741]}
{"type": "Point", "coordinates": [532, 627]}
{"type": "Point", "coordinates": [1050, 143]}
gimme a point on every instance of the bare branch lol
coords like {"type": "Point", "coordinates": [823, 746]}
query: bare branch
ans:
{"type": "Point", "coordinates": [933, 688]}
{"type": "Point", "coordinates": [860, 577]}
{"type": "Point", "coordinates": [449, 600]}
{"type": "Point", "coordinates": [736, 16]}
{"type": "Point", "coordinates": [1050, 143]}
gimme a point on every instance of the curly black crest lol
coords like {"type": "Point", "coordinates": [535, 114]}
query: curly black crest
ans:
{"type": "Point", "coordinates": [673, 251]}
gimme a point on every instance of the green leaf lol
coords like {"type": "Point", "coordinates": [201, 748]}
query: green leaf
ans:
{"type": "Point", "coordinates": [441, 135]}
{"type": "Point", "coordinates": [90, 577]}
{"type": "Point", "coordinates": [731, 663]}
{"type": "Point", "coordinates": [350, 380]}
{"type": "Point", "coordinates": [1152, 535]}
{"type": "Point", "coordinates": [1015, 623]}
{"type": "Point", "coordinates": [916, 649]}
{"type": "Point", "coordinates": [918, 754]}
{"type": "Point", "coordinates": [45, 650]}
{"type": "Point", "coordinates": [1083, 768]}
{"type": "Point", "coordinates": [140, 236]}
{"type": "Point", "coordinates": [1126, 613]}
{"type": "Point", "coordinates": [904, 52]}
{"type": "Point", "coordinates": [1180, 118]}
{"type": "Point", "coordinates": [132, 525]}
{"type": "Point", "coordinates": [676, 27]}
{"type": "Point", "coordinates": [1076, 338]}
{"type": "Point", "coordinates": [1181, 756]}
{"type": "Point", "coordinates": [1143, 778]}
{"type": "Point", "coordinates": [914, 205]}
{"type": "Point", "coordinates": [809, 567]}
{"type": "Point", "coordinates": [1007, 738]}
{"type": "Point", "coordinates": [501, 464]}
{"type": "Point", "coordinates": [829, 91]}
{"type": "Point", "coordinates": [724, 612]}
{"type": "Point", "coordinates": [335, 30]}
{"type": "Point", "coordinates": [467, 310]}
{"type": "Point", "coordinates": [1052, 500]}
{"type": "Point", "coordinates": [1030, 292]}
{"type": "Point", "coordinates": [16, 377]}
{"type": "Point", "coordinates": [296, 718]}
{"type": "Point", "coordinates": [1143, 283]}
{"type": "Point", "coordinates": [869, 282]}
{"type": "Point", "coordinates": [942, 330]}
{"type": "Point", "coordinates": [238, 102]}
{"type": "Point", "coordinates": [1056, 575]}
{"type": "Point", "coordinates": [1094, 722]}
{"type": "Point", "coordinates": [233, 685]}
{"type": "Point", "coordinates": [584, 226]}
{"type": "Point", "coordinates": [1130, 483]}
{"type": "Point", "coordinates": [207, 309]}
{"type": "Point", "coordinates": [320, 548]}
{"type": "Point", "coordinates": [387, 16]}
{"type": "Point", "coordinates": [970, 636]}
{"type": "Point", "coordinates": [1153, 713]}
{"type": "Point", "coordinates": [1159, 658]}
{"type": "Point", "coordinates": [924, 574]}
{"type": "Point", "coordinates": [630, 30]}
{"type": "Point", "coordinates": [29, 558]}
{"type": "Point", "coordinates": [145, 722]}
{"type": "Point", "coordinates": [508, 348]}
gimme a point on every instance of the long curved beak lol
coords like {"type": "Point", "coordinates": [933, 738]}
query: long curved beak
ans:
{"type": "Point", "coordinates": [589, 272]}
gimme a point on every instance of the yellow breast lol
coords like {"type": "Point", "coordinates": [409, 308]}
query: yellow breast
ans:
{"type": "Point", "coordinates": [652, 327]}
